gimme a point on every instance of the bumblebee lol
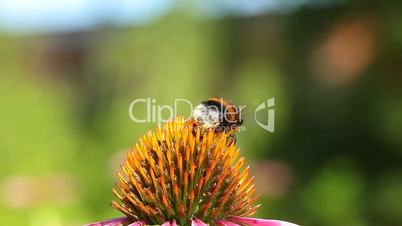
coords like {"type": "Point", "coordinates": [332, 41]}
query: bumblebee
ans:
{"type": "Point", "coordinates": [218, 114]}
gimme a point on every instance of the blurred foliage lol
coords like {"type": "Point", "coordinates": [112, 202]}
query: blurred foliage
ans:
{"type": "Point", "coordinates": [334, 70]}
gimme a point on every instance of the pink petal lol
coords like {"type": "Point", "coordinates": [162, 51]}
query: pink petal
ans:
{"type": "Point", "coordinates": [168, 223]}
{"type": "Point", "coordinates": [112, 222]}
{"type": "Point", "coordinates": [260, 222]}
{"type": "Point", "coordinates": [197, 222]}
{"type": "Point", "coordinates": [137, 223]}
{"type": "Point", "coordinates": [225, 223]}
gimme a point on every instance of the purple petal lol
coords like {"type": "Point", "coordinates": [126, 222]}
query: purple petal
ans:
{"type": "Point", "coordinates": [197, 222]}
{"type": "Point", "coordinates": [112, 222]}
{"type": "Point", "coordinates": [137, 223]}
{"type": "Point", "coordinates": [260, 222]}
{"type": "Point", "coordinates": [168, 223]}
{"type": "Point", "coordinates": [226, 223]}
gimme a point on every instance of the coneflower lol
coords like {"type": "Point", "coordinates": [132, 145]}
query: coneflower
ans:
{"type": "Point", "coordinates": [183, 174]}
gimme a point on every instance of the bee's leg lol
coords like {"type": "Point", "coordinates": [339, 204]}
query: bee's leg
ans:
{"type": "Point", "coordinates": [231, 139]}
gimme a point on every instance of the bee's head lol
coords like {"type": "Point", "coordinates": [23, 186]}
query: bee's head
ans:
{"type": "Point", "coordinates": [217, 113]}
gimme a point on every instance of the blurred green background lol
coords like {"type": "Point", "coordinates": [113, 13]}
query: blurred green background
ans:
{"type": "Point", "coordinates": [69, 71]}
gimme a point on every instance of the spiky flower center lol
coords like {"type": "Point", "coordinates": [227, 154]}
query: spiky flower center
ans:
{"type": "Point", "coordinates": [183, 172]}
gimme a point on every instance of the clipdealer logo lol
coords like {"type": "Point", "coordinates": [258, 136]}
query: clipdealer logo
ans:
{"type": "Point", "coordinates": [267, 106]}
{"type": "Point", "coordinates": [160, 114]}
